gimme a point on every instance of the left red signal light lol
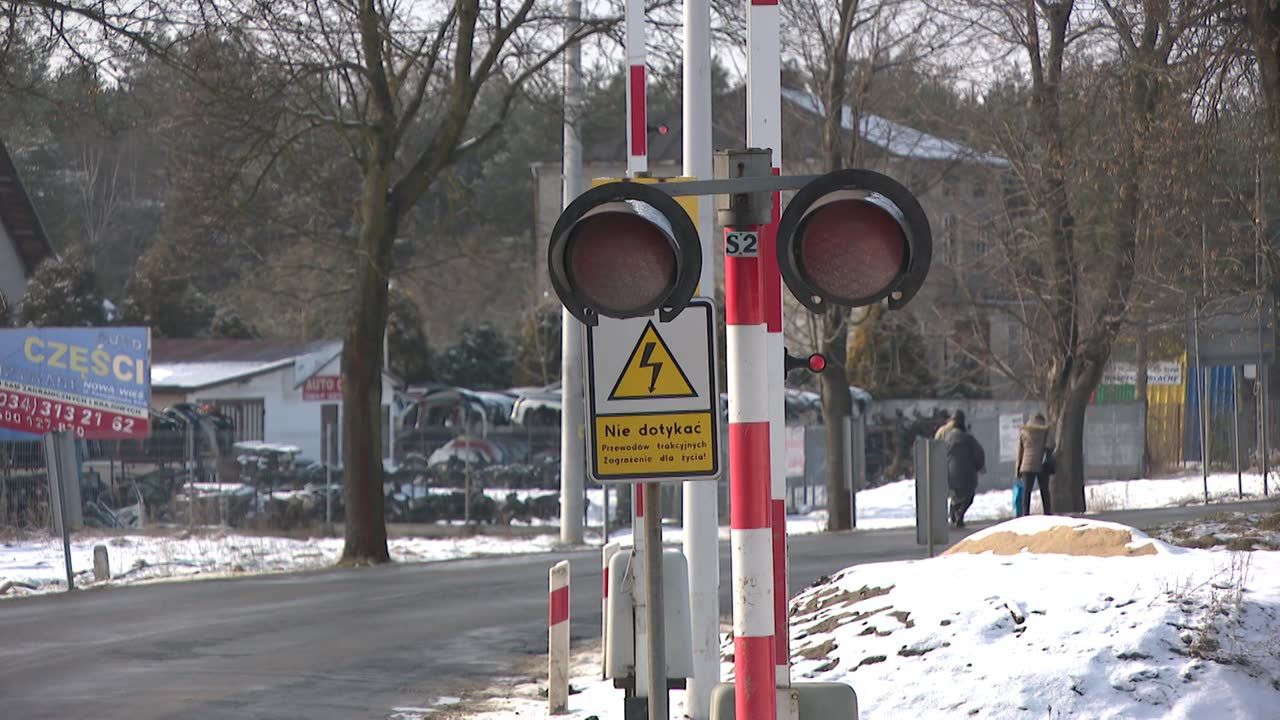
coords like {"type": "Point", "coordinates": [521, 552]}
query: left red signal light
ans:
{"type": "Point", "coordinates": [624, 250]}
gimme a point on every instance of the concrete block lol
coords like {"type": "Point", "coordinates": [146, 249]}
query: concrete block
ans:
{"type": "Point", "coordinates": [810, 701]}
{"type": "Point", "coordinates": [101, 563]}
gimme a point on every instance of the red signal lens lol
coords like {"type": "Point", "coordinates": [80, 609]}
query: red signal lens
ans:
{"type": "Point", "coordinates": [817, 363]}
{"type": "Point", "coordinates": [852, 249]}
{"type": "Point", "coordinates": [621, 262]}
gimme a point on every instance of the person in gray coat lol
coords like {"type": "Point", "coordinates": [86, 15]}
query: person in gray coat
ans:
{"type": "Point", "coordinates": [965, 459]}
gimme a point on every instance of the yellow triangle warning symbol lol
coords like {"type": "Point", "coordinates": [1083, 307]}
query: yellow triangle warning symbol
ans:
{"type": "Point", "coordinates": [651, 373]}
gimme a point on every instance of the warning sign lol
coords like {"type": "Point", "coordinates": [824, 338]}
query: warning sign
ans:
{"type": "Point", "coordinates": [653, 400]}
{"type": "Point", "coordinates": [651, 372]}
{"type": "Point", "coordinates": [670, 444]}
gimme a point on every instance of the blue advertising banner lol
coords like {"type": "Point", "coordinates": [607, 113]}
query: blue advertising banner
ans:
{"type": "Point", "coordinates": [95, 382]}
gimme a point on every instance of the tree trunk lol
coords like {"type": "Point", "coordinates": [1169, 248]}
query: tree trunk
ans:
{"type": "Point", "coordinates": [1264, 21]}
{"type": "Point", "coordinates": [366, 527]}
{"type": "Point", "coordinates": [1067, 413]}
{"type": "Point", "coordinates": [1140, 379]}
{"type": "Point", "coordinates": [1140, 388]}
{"type": "Point", "coordinates": [837, 404]}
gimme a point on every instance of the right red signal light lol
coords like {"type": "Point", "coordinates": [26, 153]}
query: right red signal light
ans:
{"type": "Point", "coordinates": [853, 238]}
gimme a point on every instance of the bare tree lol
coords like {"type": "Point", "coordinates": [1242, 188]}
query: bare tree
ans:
{"type": "Point", "coordinates": [398, 81]}
{"type": "Point", "coordinates": [1264, 25]}
{"type": "Point", "coordinates": [99, 198]}
{"type": "Point", "coordinates": [1081, 279]}
{"type": "Point", "coordinates": [856, 43]}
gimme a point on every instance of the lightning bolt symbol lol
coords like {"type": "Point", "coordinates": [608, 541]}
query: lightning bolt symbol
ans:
{"type": "Point", "coordinates": [646, 363]}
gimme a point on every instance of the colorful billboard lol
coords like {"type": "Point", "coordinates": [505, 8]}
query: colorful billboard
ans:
{"type": "Point", "coordinates": [95, 382]}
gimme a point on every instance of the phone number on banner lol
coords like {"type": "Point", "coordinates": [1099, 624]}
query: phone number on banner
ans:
{"type": "Point", "coordinates": [28, 413]}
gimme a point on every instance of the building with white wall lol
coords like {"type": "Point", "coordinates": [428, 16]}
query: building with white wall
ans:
{"type": "Point", "coordinates": [23, 244]}
{"type": "Point", "coordinates": [280, 392]}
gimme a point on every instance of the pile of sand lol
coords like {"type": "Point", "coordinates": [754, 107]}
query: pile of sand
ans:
{"type": "Point", "coordinates": [1058, 535]}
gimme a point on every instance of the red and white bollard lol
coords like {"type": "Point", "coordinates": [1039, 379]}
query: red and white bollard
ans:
{"type": "Point", "coordinates": [607, 553]}
{"type": "Point", "coordinates": [749, 483]}
{"type": "Point", "coordinates": [558, 641]}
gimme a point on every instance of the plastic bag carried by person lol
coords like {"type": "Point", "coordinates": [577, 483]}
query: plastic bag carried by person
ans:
{"type": "Point", "coordinates": [1017, 498]}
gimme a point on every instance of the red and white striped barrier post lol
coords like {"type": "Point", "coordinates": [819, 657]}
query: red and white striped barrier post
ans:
{"type": "Point", "coordinates": [637, 115]}
{"type": "Point", "coordinates": [775, 352]}
{"type": "Point", "coordinates": [764, 130]}
{"type": "Point", "coordinates": [558, 641]}
{"type": "Point", "coordinates": [749, 482]}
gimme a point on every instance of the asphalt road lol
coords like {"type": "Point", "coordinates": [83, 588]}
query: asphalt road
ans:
{"type": "Point", "coordinates": [333, 644]}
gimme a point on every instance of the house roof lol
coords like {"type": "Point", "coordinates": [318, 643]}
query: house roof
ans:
{"type": "Point", "coordinates": [19, 218]}
{"type": "Point", "coordinates": [895, 138]}
{"type": "Point", "coordinates": [192, 364]}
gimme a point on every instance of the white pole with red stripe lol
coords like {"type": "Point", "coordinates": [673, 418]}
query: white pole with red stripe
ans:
{"type": "Point", "coordinates": [607, 552]}
{"type": "Point", "coordinates": [764, 130]}
{"type": "Point", "coordinates": [749, 484]}
{"type": "Point", "coordinates": [558, 641]}
{"type": "Point", "coordinates": [637, 117]}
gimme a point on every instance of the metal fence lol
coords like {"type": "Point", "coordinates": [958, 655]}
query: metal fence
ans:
{"type": "Point", "coordinates": [1234, 419]}
{"type": "Point", "coordinates": [117, 478]}
{"type": "Point", "coordinates": [182, 478]}
{"type": "Point", "coordinates": [499, 473]}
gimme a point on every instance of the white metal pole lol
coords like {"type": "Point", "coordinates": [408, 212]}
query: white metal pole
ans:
{"type": "Point", "coordinates": [701, 514]}
{"type": "Point", "coordinates": [764, 130]}
{"type": "Point", "coordinates": [637, 164]}
{"type": "Point", "coordinates": [654, 618]}
{"type": "Point", "coordinates": [640, 595]}
{"type": "Point", "coordinates": [330, 459]}
{"type": "Point", "coordinates": [572, 410]}
{"type": "Point", "coordinates": [191, 474]}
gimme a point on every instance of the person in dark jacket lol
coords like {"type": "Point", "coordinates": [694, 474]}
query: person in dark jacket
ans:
{"type": "Point", "coordinates": [1033, 442]}
{"type": "Point", "coordinates": [965, 459]}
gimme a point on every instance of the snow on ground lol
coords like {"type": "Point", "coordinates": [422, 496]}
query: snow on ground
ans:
{"type": "Point", "coordinates": [525, 698]}
{"type": "Point", "coordinates": [148, 557]}
{"type": "Point", "coordinates": [1171, 634]}
{"type": "Point", "coordinates": [1096, 620]}
{"type": "Point", "coordinates": [894, 505]}
{"type": "Point", "coordinates": [136, 558]}
{"type": "Point", "coordinates": [1234, 531]}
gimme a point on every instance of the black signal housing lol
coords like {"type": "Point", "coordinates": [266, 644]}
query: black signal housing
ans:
{"type": "Point", "coordinates": [622, 250]}
{"type": "Point", "coordinates": [853, 238]}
